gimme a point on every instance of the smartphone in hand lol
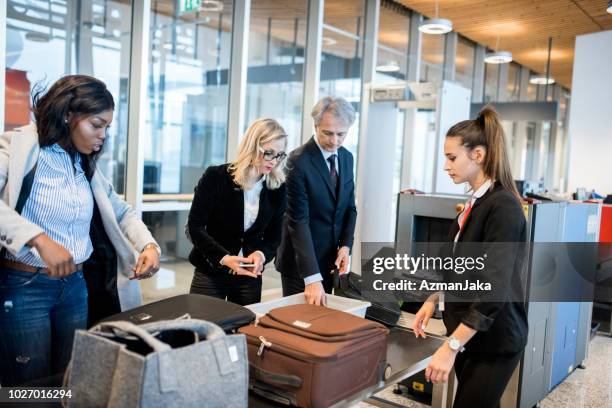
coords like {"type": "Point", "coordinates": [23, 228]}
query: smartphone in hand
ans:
{"type": "Point", "coordinates": [246, 265]}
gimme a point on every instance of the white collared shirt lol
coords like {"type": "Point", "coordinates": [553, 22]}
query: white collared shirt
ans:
{"type": "Point", "coordinates": [251, 207]}
{"type": "Point", "coordinates": [470, 202]}
{"type": "Point", "coordinates": [327, 155]}
{"type": "Point", "coordinates": [251, 203]}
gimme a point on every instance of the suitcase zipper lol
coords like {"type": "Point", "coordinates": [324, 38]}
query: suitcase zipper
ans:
{"type": "Point", "coordinates": [263, 345]}
{"type": "Point", "coordinates": [301, 355]}
{"type": "Point", "coordinates": [317, 336]}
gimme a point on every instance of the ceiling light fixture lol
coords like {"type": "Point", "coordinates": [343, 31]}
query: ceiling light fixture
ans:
{"type": "Point", "coordinates": [541, 80]}
{"type": "Point", "coordinates": [329, 41]}
{"type": "Point", "coordinates": [498, 57]}
{"type": "Point", "coordinates": [436, 25]}
{"type": "Point", "coordinates": [211, 6]}
{"type": "Point", "coordinates": [391, 66]}
{"type": "Point", "coordinates": [609, 9]}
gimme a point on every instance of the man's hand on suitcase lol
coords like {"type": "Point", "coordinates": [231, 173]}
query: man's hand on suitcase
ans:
{"type": "Point", "coordinates": [315, 295]}
{"type": "Point", "coordinates": [342, 260]}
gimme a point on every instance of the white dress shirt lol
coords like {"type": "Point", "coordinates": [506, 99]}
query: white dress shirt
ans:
{"type": "Point", "coordinates": [469, 203]}
{"type": "Point", "coordinates": [251, 208]}
{"type": "Point", "coordinates": [251, 203]}
{"type": "Point", "coordinates": [327, 155]}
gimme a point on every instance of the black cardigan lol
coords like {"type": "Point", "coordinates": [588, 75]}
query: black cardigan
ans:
{"type": "Point", "coordinates": [496, 217]}
{"type": "Point", "coordinates": [216, 221]}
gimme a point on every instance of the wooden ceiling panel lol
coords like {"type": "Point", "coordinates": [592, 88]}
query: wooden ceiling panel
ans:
{"type": "Point", "coordinates": [523, 27]}
{"type": "Point", "coordinates": [393, 30]}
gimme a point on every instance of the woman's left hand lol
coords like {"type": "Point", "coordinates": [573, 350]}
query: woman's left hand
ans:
{"type": "Point", "coordinates": [440, 365]}
{"type": "Point", "coordinates": [147, 264]}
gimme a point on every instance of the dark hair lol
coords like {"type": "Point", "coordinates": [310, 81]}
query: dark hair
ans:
{"type": "Point", "coordinates": [78, 95]}
{"type": "Point", "coordinates": [487, 131]}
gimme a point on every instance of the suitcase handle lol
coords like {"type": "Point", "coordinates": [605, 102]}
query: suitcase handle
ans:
{"type": "Point", "coordinates": [145, 332]}
{"type": "Point", "coordinates": [205, 330]}
{"type": "Point", "coordinates": [131, 328]}
{"type": "Point", "coordinates": [336, 276]}
{"type": "Point", "coordinates": [273, 394]}
{"type": "Point", "coordinates": [274, 378]}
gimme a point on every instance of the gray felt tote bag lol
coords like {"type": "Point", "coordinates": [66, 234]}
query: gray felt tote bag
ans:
{"type": "Point", "coordinates": [177, 363]}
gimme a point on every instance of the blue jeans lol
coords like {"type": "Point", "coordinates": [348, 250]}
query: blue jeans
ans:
{"type": "Point", "coordinates": [38, 318]}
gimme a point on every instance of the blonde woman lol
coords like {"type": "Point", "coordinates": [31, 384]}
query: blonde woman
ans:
{"type": "Point", "coordinates": [236, 217]}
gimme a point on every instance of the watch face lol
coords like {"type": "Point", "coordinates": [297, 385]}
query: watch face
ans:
{"type": "Point", "coordinates": [454, 343]}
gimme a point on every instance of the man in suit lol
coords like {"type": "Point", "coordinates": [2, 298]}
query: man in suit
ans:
{"type": "Point", "coordinates": [320, 219]}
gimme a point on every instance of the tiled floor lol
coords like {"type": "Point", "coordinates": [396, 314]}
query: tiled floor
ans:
{"type": "Point", "coordinates": [584, 388]}
{"type": "Point", "coordinates": [588, 388]}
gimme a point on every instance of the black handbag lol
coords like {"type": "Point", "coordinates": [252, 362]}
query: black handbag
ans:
{"type": "Point", "coordinates": [229, 316]}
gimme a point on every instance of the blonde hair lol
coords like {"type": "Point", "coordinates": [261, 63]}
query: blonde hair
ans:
{"type": "Point", "coordinates": [242, 169]}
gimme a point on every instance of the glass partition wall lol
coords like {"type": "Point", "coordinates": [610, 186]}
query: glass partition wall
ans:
{"type": "Point", "coordinates": [341, 57]}
{"type": "Point", "coordinates": [48, 39]}
{"type": "Point", "coordinates": [275, 78]}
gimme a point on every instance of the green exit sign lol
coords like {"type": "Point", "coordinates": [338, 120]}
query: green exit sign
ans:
{"type": "Point", "coordinates": [189, 6]}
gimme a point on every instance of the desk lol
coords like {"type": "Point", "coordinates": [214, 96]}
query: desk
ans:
{"type": "Point", "coordinates": [407, 356]}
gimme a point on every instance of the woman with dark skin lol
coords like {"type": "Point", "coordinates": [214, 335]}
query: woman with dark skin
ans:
{"type": "Point", "coordinates": [54, 202]}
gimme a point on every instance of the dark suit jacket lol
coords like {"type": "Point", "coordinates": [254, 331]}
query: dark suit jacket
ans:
{"type": "Point", "coordinates": [319, 220]}
{"type": "Point", "coordinates": [496, 217]}
{"type": "Point", "coordinates": [216, 221]}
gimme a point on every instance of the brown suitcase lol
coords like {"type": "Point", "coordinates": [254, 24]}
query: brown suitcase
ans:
{"type": "Point", "coordinates": [313, 356]}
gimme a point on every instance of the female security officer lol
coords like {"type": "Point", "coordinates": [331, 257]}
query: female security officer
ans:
{"type": "Point", "coordinates": [493, 333]}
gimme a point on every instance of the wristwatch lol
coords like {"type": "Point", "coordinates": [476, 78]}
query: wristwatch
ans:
{"type": "Point", "coordinates": [455, 344]}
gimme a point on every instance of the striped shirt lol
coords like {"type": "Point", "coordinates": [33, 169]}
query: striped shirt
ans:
{"type": "Point", "coordinates": [61, 203]}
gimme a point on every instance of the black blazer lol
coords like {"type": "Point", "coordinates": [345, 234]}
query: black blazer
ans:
{"type": "Point", "coordinates": [497, 216]}
{"type": "Point", "coordinates": [319, 220]}
{"type": "Point", "coordinates": [216, 221]}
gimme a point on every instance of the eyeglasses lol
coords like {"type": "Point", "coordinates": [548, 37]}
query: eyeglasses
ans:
{"type": "Point", "coordinates": [269, 155]}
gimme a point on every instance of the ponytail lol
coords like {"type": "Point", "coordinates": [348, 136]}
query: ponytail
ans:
{"type": "Point", "coordinates": [487, 131]}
